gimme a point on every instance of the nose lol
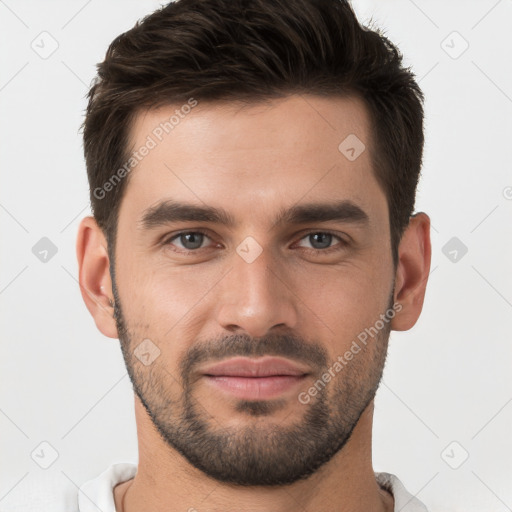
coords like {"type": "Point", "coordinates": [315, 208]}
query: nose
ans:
{"type": "Point", "coordinates": [256, 297]}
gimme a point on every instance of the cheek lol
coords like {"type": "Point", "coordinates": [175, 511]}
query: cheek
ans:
{"type": "Point", "coordinates": [346, 300]}
{"type": "Point", "coordinates": [168, 300]}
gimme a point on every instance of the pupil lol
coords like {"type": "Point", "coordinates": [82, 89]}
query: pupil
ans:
{"type": "Point", "coordinates": [326, 242]}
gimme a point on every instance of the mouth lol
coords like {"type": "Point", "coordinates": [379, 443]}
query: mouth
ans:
{"type": "Point", "coordinates": [255, 379]}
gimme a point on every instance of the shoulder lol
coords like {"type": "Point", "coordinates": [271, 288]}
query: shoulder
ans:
{"type": "Point", "coordinates": [404, 500]}
{"type": "Point", "coordinates": [51, 491]}
{"type": "Point", "coordinates": [57, 491]}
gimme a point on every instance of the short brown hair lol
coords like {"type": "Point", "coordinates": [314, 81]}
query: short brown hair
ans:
{"type": "Point", "coordinates": [250, 51]}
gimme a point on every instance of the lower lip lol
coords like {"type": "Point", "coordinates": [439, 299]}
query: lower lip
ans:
{"type": "Point", "coordinates": [256, 388]}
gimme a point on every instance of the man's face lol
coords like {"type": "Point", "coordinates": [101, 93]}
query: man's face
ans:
{"type": "Point", "coordinates": [302, 289]}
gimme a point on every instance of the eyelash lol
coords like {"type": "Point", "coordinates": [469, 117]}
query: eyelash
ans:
{"type": "Point", "coordinates": [341, 245]}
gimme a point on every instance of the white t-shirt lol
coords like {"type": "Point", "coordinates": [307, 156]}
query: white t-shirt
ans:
{"type": "Point", "coordinates": [97, 494]}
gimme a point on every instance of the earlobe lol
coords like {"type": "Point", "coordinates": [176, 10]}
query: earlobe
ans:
{"type": "Point", "coordinates": [94, 275]}
{"type": "Point", "coordinates": [414, 255]}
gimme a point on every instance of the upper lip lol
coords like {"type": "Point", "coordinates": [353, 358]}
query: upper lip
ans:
{"type": "Point", "coordinates": [262, 367]}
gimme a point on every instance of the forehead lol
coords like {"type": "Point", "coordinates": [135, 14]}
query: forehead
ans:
{"type": "Point", "coordinates": [254, 158]}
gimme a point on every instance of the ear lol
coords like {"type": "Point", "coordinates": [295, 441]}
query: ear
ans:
{"type": "Point", "coordinates": [414, 253]}
{"type": "Point", "coordinates": [94, 275]}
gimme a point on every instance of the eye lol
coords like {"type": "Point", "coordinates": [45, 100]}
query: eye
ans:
{"type": "Point", "coordinates": [322, 240]}
{"type": "Point", "coordinates": [192, 241]}
{"type": "Point", "coordinates": [189, 240]}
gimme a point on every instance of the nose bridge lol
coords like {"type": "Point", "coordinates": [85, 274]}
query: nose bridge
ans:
{"type": "Point", "coordinates": [254, 297]}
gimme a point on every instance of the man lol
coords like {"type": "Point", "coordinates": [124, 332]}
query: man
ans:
{"type": "Point", "coordinates": [253, 167]}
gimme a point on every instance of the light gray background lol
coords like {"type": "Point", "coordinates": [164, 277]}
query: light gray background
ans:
{"type": "Point", "coordinates": [447, 389]}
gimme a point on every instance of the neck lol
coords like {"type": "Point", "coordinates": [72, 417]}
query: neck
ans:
{"type": "Point", "coordinates": [165, 481]}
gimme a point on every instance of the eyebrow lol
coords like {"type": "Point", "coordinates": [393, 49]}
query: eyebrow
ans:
{"type": "Point", "coordinates": [171, 211]}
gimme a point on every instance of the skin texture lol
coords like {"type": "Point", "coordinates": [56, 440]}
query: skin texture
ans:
{"type": "Point", "coordinates": [291, 301]}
